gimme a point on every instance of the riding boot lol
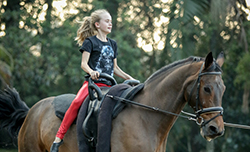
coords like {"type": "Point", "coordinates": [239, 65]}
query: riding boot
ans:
{"type": "Point", "coordinates": [55, 146]}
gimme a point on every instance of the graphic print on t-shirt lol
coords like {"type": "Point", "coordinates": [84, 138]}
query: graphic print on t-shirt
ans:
{"type": "Point", "coordinates": [105, 61]}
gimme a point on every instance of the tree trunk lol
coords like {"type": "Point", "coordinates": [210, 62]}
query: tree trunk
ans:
{"type": "Point", "coordinates": [210, 146]}
{"type": "Point", "coordinates": [245, 108]}
{"type": "Point", "coordinates": [189, 144]}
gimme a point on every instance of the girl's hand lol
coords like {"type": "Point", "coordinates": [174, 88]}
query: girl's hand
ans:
{"type": "Point", "coordinates": [94, 75]}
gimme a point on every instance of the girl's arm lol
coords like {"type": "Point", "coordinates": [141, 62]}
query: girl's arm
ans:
{"type": "Point", "coordinates": [120, 73]}
{"type": "Point", "coordinates": [84, 65]}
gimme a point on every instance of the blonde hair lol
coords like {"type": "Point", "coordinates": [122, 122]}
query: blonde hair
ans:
{"type": "Point", "coordinates": [88, 27]}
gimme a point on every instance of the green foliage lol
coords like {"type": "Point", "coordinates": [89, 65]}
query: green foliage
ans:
{"type": "Point", "coordinates": [243, 71]}
{"type": "Point", "coordinates": [8, 150]}
{"type": "Point", "coordinates": [6, 57]}
{"type": "Point", "coordinates": [6, 65]}
{"type": "Point", "coordinates": [193, 8]}
{"type": "Point", "coordinates": [44, 60]}
{"type": "Point", "coordinates": [128, 55]}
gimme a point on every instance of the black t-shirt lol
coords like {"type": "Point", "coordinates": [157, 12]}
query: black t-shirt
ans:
{"type": "Point", "coordinates": [102, 55]}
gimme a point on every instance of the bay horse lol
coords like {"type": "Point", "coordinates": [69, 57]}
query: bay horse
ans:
{"type": "Point", "coordinates": [194, 81]}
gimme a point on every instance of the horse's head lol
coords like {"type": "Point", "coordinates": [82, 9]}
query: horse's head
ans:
{"type": "Point", "coordinates": [206, 97]}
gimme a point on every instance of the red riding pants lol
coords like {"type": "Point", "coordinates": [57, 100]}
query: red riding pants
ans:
{"type": "Point", "coordinates": [72, 112]}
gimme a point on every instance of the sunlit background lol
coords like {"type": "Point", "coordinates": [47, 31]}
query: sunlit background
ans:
{"type": "Point", "coordinates": [156, 42]}
{"type": "Point", "coordinates": [40, 58]}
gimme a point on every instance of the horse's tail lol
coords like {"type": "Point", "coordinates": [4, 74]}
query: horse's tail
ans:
{"type": "Point", "coordinates": [12, 111]}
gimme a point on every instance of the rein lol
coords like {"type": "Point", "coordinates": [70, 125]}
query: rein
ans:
{"type": "Point", "coordinates": [191, 116]}
{"type": "Point", "coordinates": [198, 112]}
{"type": "Point", "coordinates": [194, 117]}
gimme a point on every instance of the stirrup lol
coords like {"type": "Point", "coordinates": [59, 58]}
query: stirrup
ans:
{"type": "Point", "coordinates": [55, 146]}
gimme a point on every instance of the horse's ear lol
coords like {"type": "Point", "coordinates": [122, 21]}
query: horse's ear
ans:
{"type": "Point", "coordinates": [209, 60]}
{"type": "Point", "coordinates": [220, 59]}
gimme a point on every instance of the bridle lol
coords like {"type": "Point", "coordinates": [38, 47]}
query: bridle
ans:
{"type": "Point", "coordinates": [199, 110]}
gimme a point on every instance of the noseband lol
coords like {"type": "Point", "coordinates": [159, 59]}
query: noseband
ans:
{"type": "Point", "coordinates": [199, 110]}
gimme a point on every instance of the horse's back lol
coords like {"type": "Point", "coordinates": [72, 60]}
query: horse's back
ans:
{"type": "Point", "coordinates": [39, 129]}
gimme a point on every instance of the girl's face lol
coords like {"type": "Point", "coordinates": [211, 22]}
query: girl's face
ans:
{"type": "Point", "coordinates": [105, 23]}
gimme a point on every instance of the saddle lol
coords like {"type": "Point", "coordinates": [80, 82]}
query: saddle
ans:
{"type": "Point", "coordinates": [96, 96]}
{"type": "Point", "coordinates": [90, 124]}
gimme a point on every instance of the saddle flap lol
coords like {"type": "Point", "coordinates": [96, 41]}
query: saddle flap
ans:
{"type": "Point", "coordinates": [127, 94]}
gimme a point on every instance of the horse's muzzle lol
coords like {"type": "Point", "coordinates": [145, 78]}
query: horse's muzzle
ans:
{"type": "Point", "coordinates": [211, 131]}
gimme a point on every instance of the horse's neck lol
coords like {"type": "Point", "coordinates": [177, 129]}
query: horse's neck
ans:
{"type": "Point", "coordinates": [168, 90]}
{"type": "Point", "coordinates": [168, 94]}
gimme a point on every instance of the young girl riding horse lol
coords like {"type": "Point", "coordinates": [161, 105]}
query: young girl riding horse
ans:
{"type": "Point", "coordinates": [98, 56]}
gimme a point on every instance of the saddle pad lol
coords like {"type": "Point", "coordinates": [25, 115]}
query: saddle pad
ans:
{"type": "Point", "coordinates": [61, 104]}
{"type": "Point", "coordinates": [129, 94]}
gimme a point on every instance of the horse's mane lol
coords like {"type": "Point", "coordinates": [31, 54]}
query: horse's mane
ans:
{"type": "Point", "coordinates": [180, 63]}
{"type": "Point", "coordinates": [172, 66]}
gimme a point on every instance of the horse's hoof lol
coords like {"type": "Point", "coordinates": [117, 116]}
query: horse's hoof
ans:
{"type": "Point", "coordinates": [55, 146]}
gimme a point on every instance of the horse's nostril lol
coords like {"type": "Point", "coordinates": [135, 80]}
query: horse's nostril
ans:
{"type": "Point", "coordinates": [213, 129]}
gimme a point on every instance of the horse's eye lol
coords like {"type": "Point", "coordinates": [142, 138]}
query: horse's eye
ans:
{"type": "Point", "coordinates": [207, 89]}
